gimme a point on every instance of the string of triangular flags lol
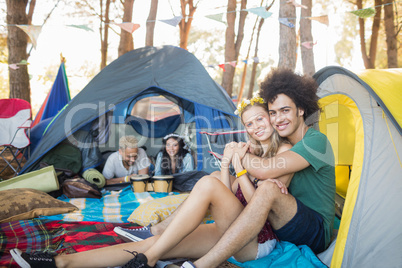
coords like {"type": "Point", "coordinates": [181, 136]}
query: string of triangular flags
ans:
{"type": "Point", "coordinates": [33, 31]}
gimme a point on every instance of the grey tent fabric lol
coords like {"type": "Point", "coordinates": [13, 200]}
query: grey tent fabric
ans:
{"type": "Point", "coordinates": [374, 236]}
{"type": "Point", "coordinates": [170, 68]}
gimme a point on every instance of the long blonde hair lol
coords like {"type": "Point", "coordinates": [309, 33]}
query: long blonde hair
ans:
{"type": "Point", "coordinates": [275, 139]}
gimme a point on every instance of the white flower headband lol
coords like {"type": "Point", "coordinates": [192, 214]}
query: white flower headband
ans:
{"type": "Point", "coordinates": [246, 103]}
{"type": "Point", "coordinates": [186, 146]}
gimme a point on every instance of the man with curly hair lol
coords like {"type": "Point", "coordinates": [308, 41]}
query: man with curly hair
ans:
{"type": "Point", "coordinates": [304, 212]}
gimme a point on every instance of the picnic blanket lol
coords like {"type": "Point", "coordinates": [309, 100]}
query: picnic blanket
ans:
{"type": "Point", "coordinates": [70, 237]}
{"type": "Point", "coordinates": [29, 235]}
{"type": "Point", "coordinates": [114, 206]}
{"type": "Point", "coordinates": [55, 236]}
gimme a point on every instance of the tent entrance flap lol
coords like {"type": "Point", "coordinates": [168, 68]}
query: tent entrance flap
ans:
{"type": "Point", "coordinates": [342, 122]}
{"type": "Point", "coordinates": [337, 122]}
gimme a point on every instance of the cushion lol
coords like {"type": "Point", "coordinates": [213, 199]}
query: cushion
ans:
{"type": "Point", "coordinates": [24, 204]}
{"type": "Point", "coordinates": [157, 210]}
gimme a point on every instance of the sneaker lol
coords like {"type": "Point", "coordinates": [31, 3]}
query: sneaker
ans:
{"type": "Point", "coordinates": [139, 261]}
{"type": "Point", "coordinates": [133, 235]}
{"type": "Point", "coordinates": [34, 260]}
{"type": "Point", "coordinates": [188, 264]}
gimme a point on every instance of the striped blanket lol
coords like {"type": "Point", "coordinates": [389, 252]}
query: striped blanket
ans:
{"type": "Point", "coordinates": [112, 207]}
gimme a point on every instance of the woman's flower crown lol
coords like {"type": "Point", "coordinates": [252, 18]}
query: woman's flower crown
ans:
{"type": "Point", "coordinates": [246, 103]}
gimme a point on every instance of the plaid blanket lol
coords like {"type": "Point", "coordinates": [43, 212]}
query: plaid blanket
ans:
{"type": "Point", "coordinates": [112, 207]}
{"type": "Point", "coordinates": [55, 236]}
{"type": "Point", "coordinates": [28, 236]}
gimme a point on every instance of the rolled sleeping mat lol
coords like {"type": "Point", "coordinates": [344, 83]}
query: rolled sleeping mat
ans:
{"type": "Point", "coordinates": [94, 176]}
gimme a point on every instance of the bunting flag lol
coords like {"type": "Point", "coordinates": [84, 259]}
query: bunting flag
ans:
{"type": "Point", "coordinates": [286, 22]}
{"type": "Point", "coordinates": [83, 27]}
{"type": "Point", "coordinates": [174, 21]}
{"type": "Point", "coordinates": [364, 13]}
{"type": "Point", "coordinates": [217, 17]}
{"type": "Point", "coordinates": [233, 63]}
{"type": "Point", "coordinates": [296, 4]}
{"type": "Point", "coordinates": [260, 11]}
{"type": "Point", "coordinates": [322, 19]}
{"type": "Point", "coordinates": [256, 59]}
{"type": "Point", "coordinates": [128, 26]}
{"type": "Point", "coordinates": [245, 61]}
{"type": "Point", "coordinates": [222, 66]}
{"type": "Point", "coordinates": [309, 44]}
{"type": "Point", "coordinates": [32, 31]}
{"type": "Point", "coordinates": [13, 66]}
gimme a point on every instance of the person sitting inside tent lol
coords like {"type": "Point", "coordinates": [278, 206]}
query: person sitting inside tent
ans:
{"type": "Point", "coordinates": [128, 160]}
{"type": "Point", "coordinates": [173, 157]}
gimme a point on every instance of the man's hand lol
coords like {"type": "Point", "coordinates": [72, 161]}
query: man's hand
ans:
{"type": "Point", "coordinates": [281, 186]}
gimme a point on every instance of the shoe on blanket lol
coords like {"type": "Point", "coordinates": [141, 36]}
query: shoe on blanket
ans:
{"type": "Point", "coordinates": [133, 235]}
{"type": "Point", "coordinates": [34, 260]}
{"type": "Point", "coordinates": [188, 264]}
{"type": "Point", "coordinates": [139, 261]}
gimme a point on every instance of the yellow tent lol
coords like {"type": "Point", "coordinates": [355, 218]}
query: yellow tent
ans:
{"type": "Point", "coordinates": [362, 117]}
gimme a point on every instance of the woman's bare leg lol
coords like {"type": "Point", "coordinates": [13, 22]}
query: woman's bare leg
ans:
{"type": "Point", "coordinates": [208, 193]}
{"type": "Point", "coordinates": [111, 256]}
{"type": "Point", "coordinates": [159, 228]}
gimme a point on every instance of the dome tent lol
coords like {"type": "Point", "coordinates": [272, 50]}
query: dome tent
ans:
{"type": "Point", "coordinates": [167, 71]}
{"type": "Point", "coordinates": [362, 116]}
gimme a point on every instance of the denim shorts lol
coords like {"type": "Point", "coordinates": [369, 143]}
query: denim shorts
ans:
{"type": "Point", "coordinates": [305, 228]}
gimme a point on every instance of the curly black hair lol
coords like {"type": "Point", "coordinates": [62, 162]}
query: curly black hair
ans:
{"type": "Point", "coordinates": [302, 89]}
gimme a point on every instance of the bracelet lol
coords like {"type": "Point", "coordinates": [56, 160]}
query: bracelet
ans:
{"type": "Point", "coordinates": [244, 171]}
{"type": "Point", "coordinates": [126, 179]}
{"type": "Point", "coordinates": [256, 182]}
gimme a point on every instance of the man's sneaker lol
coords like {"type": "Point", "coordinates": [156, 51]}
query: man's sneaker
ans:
{"type": "Point", "coordinates": [34, 260]}
{"type": "Point", "coordinates": [188, 264]}
{"type": "Point", "coordinates": [139, 261]}
{"type": "Point", "coordinates": [133, 235]}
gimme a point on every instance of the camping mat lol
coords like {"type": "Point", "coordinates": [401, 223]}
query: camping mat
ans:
{"type": "Point", "coordinates": [285, 254]}
{"type": "Point", "coordinates": [114, 206]}
{"type": "Point", "coordinates": [28, 235]}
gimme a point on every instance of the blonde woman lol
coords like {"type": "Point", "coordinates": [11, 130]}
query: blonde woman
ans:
{"type": "Point", "coordinates": [184, 236]}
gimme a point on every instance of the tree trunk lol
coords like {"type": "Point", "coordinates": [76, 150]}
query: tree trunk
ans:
{"type": "Point", "coordinates": [392, 51]}
{"type": "Point", "coordinates": [254, 69]}
{"type": "Point", "coordinates": [17, 42]}
{"type": "Point", "coordinates": [126, 38]}
{"type": "Point", "coordinates": [104, 41]}
{"type": "Point", "coordinates": [243, 78]}
{"type": "Point", "coordinates": [185, 23]}
{"type": "Point", "coordinates": [307, 55]}
{"type": "Point", "coordinates": [232, 48]}
{"type": "Point", "coordinates": [369, 59]}
{"type": "Point", "coordinates": [287, 37]}
{"type": "Point", "coordinates": [149, 38]}
{"type": "Point", "coordinates": [31, 11]}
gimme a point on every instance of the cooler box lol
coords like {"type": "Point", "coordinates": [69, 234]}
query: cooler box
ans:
{"type": "Point", "coordinates": [44, 180]}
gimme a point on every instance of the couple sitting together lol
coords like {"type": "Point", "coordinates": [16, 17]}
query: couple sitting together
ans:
{"type": "Point", "coordinates": [284, 189]}
{"type": "Point", "coordinates": [130, 160]}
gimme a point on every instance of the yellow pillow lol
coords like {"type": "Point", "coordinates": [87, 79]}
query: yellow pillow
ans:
{"type": "Point", "coordinates": [157, 210]}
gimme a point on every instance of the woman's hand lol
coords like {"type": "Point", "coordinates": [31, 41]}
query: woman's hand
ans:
{"type": "Point", "coordinates": [228, 154]}
{"type": "Point", "coordinates": [241, 149]}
